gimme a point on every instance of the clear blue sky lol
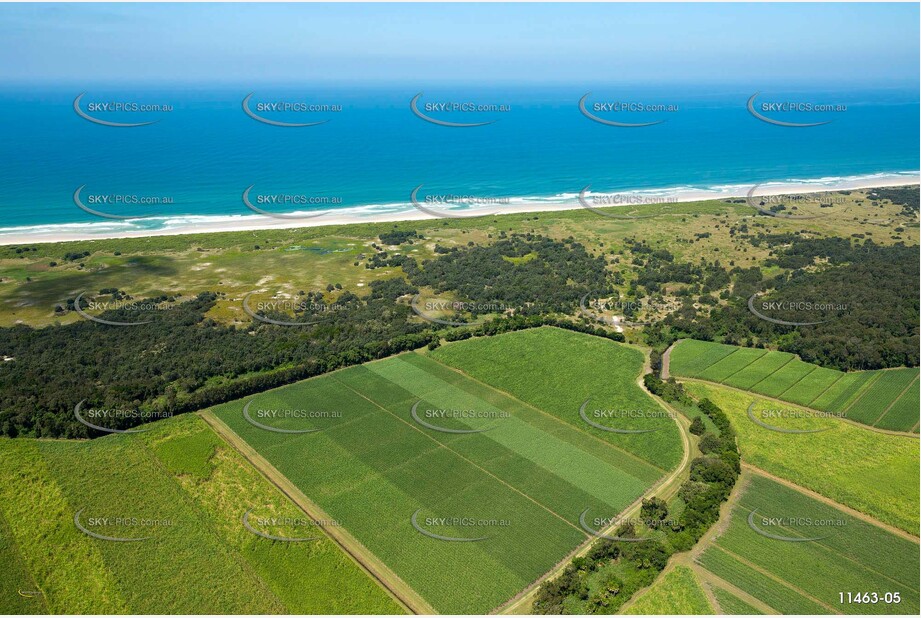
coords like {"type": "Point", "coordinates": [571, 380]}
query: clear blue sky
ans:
{"type": "Point", "coordinates": [487, 43]}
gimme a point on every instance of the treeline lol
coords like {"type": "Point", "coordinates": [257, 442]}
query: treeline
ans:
{"type": "Point", "coordinates": [865, 295]}
{"type": "Point", "coordinates": [509, 324]}
{"type": "Point", "coordinates": [182, 360]}
{"type": "Point", "coordinates": [615, 569]}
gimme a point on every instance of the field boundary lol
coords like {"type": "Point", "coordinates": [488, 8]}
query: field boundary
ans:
{"type": "Point", "coordinates": [826, 500]}
{"type": "Point", "coordinates": [890, 432]}
{"type": "Point", "coordinates": [401, 592]}
{"type": "Point", "coordinates": [581, 430]}
{"type": "Point", "coordinates": [853, 400]}
{"type": "Point", "coordinates": [667, 485]}
{"type": "Point", "coordinates": [464, 458]}
{"type": "Point", "coordinates": [711, 581]}
{"type": "Point", "coordinates": [781, 582]}
{"type": "Point", "coordinates": [896, 400]}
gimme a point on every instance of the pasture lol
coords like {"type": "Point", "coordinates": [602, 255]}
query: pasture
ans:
{"type": "Point", "coordinates": [887, 398]}
{"type": "Point", "coordinates": [872, 472]}
{"type": "Point", "coordinates": [733, 605]}
{"type": "Point", "coordinates": [555, 370]}
{"type": "Point", "coordinates": [181, 489]}
{"type": "Point", "coordinates": [465, 493]}
{"type": "Point", "coordinates": [798, 555]}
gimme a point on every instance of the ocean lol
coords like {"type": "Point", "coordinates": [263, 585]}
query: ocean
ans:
{"type": "Point", "coordinates": [202, 151]}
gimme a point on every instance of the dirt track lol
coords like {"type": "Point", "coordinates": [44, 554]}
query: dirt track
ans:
{"type": "Point", "coordinates": [408, 598]}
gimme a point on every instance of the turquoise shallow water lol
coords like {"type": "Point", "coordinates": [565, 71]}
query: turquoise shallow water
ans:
{"type": "Point", "coordinates": [200, 156]}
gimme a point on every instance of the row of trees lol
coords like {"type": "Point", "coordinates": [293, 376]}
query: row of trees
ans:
{"type": "Point", "coordinates": [177, 359]}
{"type": "Point", "coordinates": [614, 569]}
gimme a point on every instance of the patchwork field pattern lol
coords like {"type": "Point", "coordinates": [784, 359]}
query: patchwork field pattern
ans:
{"type": "Point", "coordinates": [179, 485]}
{"type": "Point", "coordinates": [887, 399]}
{"type": "Point", "coordinates": [383, 467]}
{"type": "Point", "coordinates": [870, 471]}
{"type": "Point", "coordinates": [732, 605]}
{"type": "Point", "coordinates": [557, 370]}
{"type": "Point", "coordinates": [798, 555]}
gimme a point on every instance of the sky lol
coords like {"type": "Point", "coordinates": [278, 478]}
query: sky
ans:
{"type": "Point", "coordinates": [529, 43]}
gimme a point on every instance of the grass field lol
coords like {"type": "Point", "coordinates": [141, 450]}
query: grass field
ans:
{"type": "Point", "coordinates": [180, 486]}
{"type": "Point", "coordinates": [887, 399]}
{"type": "Point", "coordinates": [675, 592]}
{"type": "Point", "coordinates": [733, 605]}
{"type": "Point", "coordinates": [835, 553]}
{"type": "Point", "coordinates": [522, 483]}
{"type": "Point", "coordinates": [18, 592]}
{"type": "Point", "coordinates": [872, 472]}
{"type": "Point", "coordinates": [556, 370]}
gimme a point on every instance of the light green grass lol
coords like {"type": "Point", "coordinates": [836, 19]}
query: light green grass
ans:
{"type": "Point", "coordinates": [556, 370]}
{"type": "Point", "coordinates": [865, 396]}
{"type": "Point", "coordinates": [732, 364]}
{"type": "Point", "coordinates": [811, 385]}
{"type": "Point", "coordinates": [784, 378]}
{"type": "Point", "coordinates": [759, 370]}
{"type": "Point", "coordinates": [691, 357]}
{"type": "Point", "coordinates": [18, 592]}
{"type": "Point", "coordinates": [882, 394]}
{"type": "Point", "coordinates": [903, 411]}
{"type": "Point", "coordinates": [732, 605]}
{"type": "Point", "coordinates": [675, 592]}
{"type": "Point", "coordinates": [371, 466]}
{"type": "Point", "coordinates": [849, 554]}
{"type": "Point", "coordinates": [778, 596]}
{"type": "Point", "coordinates": [869, 471]}
{"type": "Point", "coordinates": [843, 388]}
{"type": "Point", "coordinates": [198, 559]}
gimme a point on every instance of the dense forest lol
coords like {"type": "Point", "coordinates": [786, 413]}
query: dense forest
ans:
{"type": "Point", "coordinates": [865, 296]}
{"type": "Point", "coordinates": [181, 360]}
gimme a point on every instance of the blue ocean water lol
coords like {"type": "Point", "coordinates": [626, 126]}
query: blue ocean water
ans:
{"type": "Point", "coordinates": [203, 153]}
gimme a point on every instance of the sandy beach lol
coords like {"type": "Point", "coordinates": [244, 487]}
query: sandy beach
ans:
{"type": "Point", "coordinates": [409, 212]}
